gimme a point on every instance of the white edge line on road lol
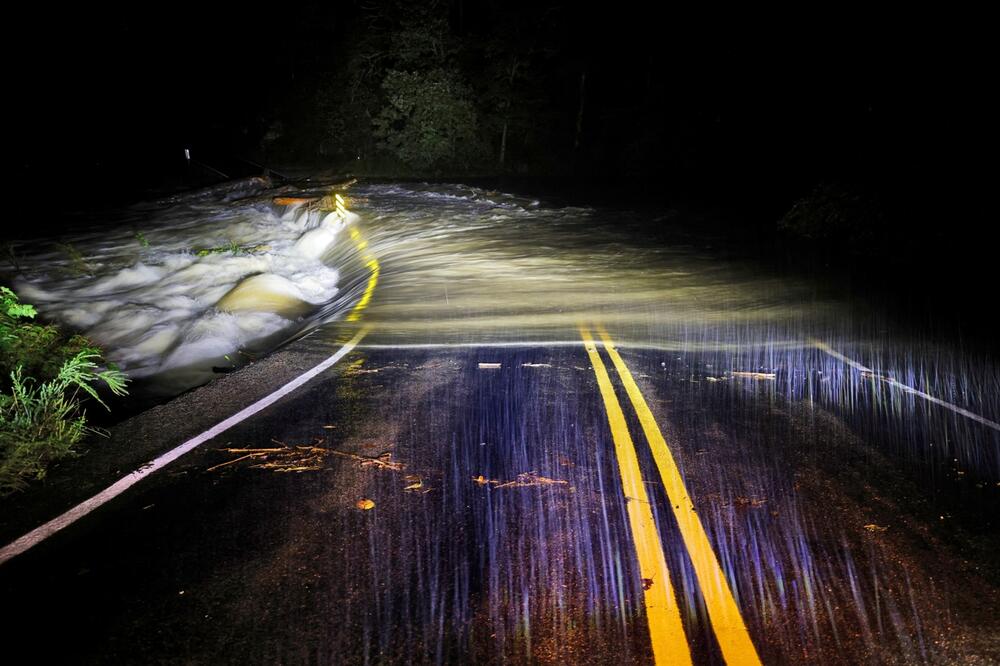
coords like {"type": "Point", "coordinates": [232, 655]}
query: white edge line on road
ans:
{"type": "Point", "coordinates": [908, 389]}
{"type": "Point", "coordinates": [43, 532]}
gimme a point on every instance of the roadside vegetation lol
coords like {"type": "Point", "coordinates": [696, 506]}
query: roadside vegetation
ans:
{"type": "Point", "coordinates": [47, 378]}
{"type": "Point", "coordinates": [847, 217]}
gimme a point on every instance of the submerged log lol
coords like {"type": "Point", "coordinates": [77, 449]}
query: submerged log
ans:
{"type": "Point", "coordinates": [232, 190]}
{"type": "Point", "coordinates": [294, 201]}
{"type": "Point", "coordinates": [320, 200]}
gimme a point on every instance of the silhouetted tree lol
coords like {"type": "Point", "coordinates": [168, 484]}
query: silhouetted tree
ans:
{"type": "Point", "coordinates": [402, 94]}
{"type": "Point", "coordinates": [511, 91]}
{"type": "Point", "coordinates": [428, 120]}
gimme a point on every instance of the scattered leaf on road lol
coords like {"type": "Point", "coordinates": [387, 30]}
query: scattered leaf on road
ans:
{"type": "Point", "coordinates": [524, 479]}
{"type": "Point", "coordinates": [755, 375]}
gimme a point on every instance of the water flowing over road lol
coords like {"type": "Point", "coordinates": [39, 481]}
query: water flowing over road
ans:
{"type": "Point", "coordinates": [566, 434]}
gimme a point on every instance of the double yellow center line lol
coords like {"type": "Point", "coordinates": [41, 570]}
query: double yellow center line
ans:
{"type": "Point", "coordinates": [670, 646]}
{"type": "Point", "coordinates": [371, 262]}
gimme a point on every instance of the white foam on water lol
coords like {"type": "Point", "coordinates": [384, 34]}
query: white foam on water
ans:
{"type": "Point", "coordinates": [127, 278]}
{"type": "Point", "coordinates": [160, 309]}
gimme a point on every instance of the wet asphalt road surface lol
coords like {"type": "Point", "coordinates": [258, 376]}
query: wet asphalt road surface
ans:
{"type": "Point", "coordinates": [498, 529]}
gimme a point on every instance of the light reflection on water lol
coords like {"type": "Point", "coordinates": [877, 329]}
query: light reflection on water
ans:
{"type": "Point", "coordinates": [487, 267]}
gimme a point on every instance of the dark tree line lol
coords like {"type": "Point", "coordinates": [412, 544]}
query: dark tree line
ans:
{"type": "Point", "coordinates": [437, 87]}
{"type": "Point", "coordinates": [751, 105]}
{"type": "Point", "coordinates": [748, 104]}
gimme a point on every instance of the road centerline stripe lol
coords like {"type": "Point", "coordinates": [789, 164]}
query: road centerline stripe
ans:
{"type": "Point", "coordinates": [43, 532]}
{"type": "Point", "coordinates": [670, 645]}
{"type": "Point", "coordinates": [724, 614]}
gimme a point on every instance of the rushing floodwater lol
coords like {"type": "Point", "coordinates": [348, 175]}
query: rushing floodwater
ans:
{"type": "Point", "coordinates": [463, 265]}
{"type": "Point", "coordinates": [459, 264]}
{"type": "Point", "coordinates": [173, 293]}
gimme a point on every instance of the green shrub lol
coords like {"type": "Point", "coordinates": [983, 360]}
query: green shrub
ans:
{"type": "Point", "coordinates": [46, 379]}
{"type": "Point", "coordinates": [430, 120]}
{"type": "Point", "coordinates": [38, 349]}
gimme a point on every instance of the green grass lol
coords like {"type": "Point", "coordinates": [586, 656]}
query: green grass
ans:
{"type": "Point", "coordinates": [78, 265]}
{"type": "Point", "coordinates": [47, 379]}
{"type": "Point", "coordinates": [233, 248]}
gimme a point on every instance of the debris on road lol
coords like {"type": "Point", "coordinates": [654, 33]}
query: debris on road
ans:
{"type": "Point", "coordinates": [872, 527]}
{"type": "Point", "coordinates": [365, 504]}
{"type": "Point", "coordinates": [306, 458]}
{"type": "Point", "coordinates": [754, 375]}
{"type": "Point", "coordinates": [523, 480]}
{"type": "Point", "coordinates": [751, 502]}
{"type": "Point", "coordinates": [489, 366]}
{"type": "Point", "coordinates": [251, 454]}
{"type": "Point", "coordinates": [381, 461]}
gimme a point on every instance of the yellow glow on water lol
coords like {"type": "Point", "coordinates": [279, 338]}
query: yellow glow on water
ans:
{"type": "Point", "coordinates": [373, 266]}
{"type": "Point", "coordinates": [452, 269]}
{"type": "Point", "coordinates": [449, 270]}
{"type": "Point", "coordinates": [371, 262]}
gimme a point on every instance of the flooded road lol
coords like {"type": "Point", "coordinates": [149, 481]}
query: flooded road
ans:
{"type": "Point", "coordinates": [554, 443]}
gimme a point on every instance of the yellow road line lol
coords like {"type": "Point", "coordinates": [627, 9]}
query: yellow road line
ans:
{"type": "Point", "coordinates": [670, 645]}
{"type": "Point", "coordinates": [373, 266]}
{"type": "Point", "coordinates": [724, 614]}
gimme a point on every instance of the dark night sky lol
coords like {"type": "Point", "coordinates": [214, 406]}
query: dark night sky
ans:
{"type": "Point", "coordinates": [839, 91]}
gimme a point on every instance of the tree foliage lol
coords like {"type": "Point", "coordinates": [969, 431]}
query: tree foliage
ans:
{"type": "Point", "coordinates": [415, 94]}
{"type": "Point", "coordinates": [429, 120]}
